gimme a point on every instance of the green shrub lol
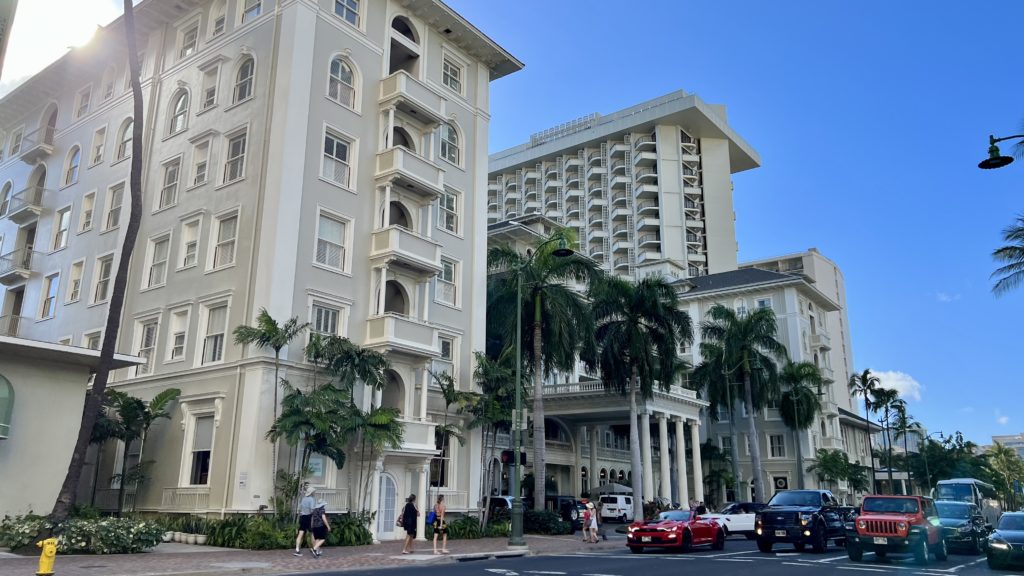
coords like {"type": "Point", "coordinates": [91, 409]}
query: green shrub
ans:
{"type": "Point", "coordinates": [86, 512]}
{"type": "Point", "coordinates": [107, 536]}
{"type": "Point", "coordinates": [544, 522]}
{"type": "Point", "coordinates": [465, 528]}
{"type": "Point", "coordinates": [350, 530]}
{"type": "Point", "coordinates": [497, 529]}
{"type": "Point", "coordinates": [264, 534]}
{"type": "Point", "coordinates": [19, 531]}
{"type": "Point", "coordinates": [227, 533]}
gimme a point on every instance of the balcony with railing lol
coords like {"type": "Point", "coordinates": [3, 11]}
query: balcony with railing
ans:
{"type": "Point", "coordinates": [647, 256]}
{"type": "Point", "coordinates": [573, 193]}
{"type": "Point", "coordinates": [618, 149]}
{"type": "Point", "coordinates": [832, 443]}
{"type": "Point", "coordinates": [620, 230]}
{"type": "Point", "coordinates": [16, 266]}
{"type": "Point", "coordinates": [821, 340]}
{"type": "Point", "coordinates": [417, 436]}
{"type": "Point", "coordinates": [10, 325]}
{"type": "Point", "coordinates": [187, 499]}
{"type": "Point", "coordinates": [26, 205]}
{"type": "Point", "coordinates": [621, 212]}
{"type": "Point", "coordinates": [645, 142]}
{"type": "Point", "coordinates": [648, 240]}
{"type": "Point", "coordinates": [410, 171]}
{"type": "Point", "coordinates": [648, 223]}
{"type": "Point", "coordinates": [531, 175]}
{"type": "Point", "coordinates": [573, 161]}
{"type": "Point", "coordinates": [596, 251]}
{"type": "Point", "coordinates": [642, 158]}
{"type": "Point", "coordinates": [405, 248]}
{"type": "Point", "coordinates": [37, 145]}
{"type": "Point", "coordinates": [412, 97]}
{"type": "Point", "coordinates": [393, 332]}
{"type": "Point", "coordinates": [646, 190]}
{"type": "Point", "coordinates": [621, 262]}
{"type": "Point", "coordinates": [618, 181]}
{"type": "Point", "coordinates": [646, 176]}
{"type": "Point", "coordinates": [595, 203]}
{"type": "Point", "coordinates": [621, 245]}
{"type": "Point", "coordinates": [647, 207]}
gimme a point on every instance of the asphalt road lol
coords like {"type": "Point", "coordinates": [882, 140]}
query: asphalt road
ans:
{"type": "Point", "coordinates": [739, 557]}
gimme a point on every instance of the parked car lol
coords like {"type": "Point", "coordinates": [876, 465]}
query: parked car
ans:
{"type": "Point", "coordinates": [800, 517]}
{"type": "Point", "coordinates": [965, 527]}
{"type": "Point", "coordinates": [737, 517]}
{"type": "Point", "coordinates": [1006, 544]}
{"type": "Point", "coordinates": [896, 525]}
{"type": "Point", "coordinates": [503, 504]}
{"type": "Point", "coordinates": [617, 507]}
{"type": "Point", "coordinates": [568, 507]}
{"type": "Point", "coordinates": [678, 529]}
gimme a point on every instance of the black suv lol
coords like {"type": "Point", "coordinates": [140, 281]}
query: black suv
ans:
{"type": "Point", "coordinates": [800, 517]}
{"type": "Point", "coordinates": [964, 527]}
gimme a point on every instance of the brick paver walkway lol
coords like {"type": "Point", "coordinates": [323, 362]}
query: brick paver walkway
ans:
{"type": "Point", "coordinates": [228, 563]}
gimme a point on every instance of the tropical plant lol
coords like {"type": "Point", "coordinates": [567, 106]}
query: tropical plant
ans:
{"type": "Point", "coordinates": [712, 382]}
{"type": "Point", "coordinates": [557, 327]}
{"type": "Point", "coordinates": [1011, 256]}
{"type": "Point", "coordinates": [268, 333]}
{"type": "Point", "coordinates": [1007, 467]}
{"type": "Point", "coordinates": [831, 465]}
{"type": "Point", "coordinates": [716, 472]}
{"type": "Point", "coordinates": [491, 411]}
{"type": "Point", "coordinates": [799, 405]}
{"type": "Point", "coordinates": [133, 420]}
{"type": "Point", "coordinates": [864, 385]}
{"type": "Point", "coordinates": [748, 341]}
{"type": "Point", "coordinates": [94, 397]}
{"type": "Point", "coordinates": [316, 421]}
{"type": "Point", "coordinates": [906, 426]}
{"type": "Point", "coordinates": [103, 430]}
{"type": "Point", "coordinates": [883, 402]}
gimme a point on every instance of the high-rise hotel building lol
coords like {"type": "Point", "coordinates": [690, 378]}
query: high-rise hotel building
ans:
{"type": "Point", "coordinates": [316, 158]}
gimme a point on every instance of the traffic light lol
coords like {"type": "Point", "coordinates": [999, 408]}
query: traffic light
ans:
{"type": "Point", "coordinates": [508, 458]}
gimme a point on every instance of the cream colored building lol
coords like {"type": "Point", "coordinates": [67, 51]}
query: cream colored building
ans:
{"type": "Point", "coordinates": [314, 158]}
{"type": "Point", "coordinates": [42, 391]}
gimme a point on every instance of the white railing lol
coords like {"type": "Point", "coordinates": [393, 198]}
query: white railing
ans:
{"type": "Point", "coordinates": [336, 498]}
{"type": "Point", "coordinates": [20, 259]}
{"type": "Point", "coordinates": [9, 325]}
{"type": "Point", "coordinates": [186, 499]}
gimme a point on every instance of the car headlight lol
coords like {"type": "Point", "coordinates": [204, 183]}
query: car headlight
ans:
{"type": "Point", "coordinates": [806, 519]}
{"type": "Point", "coordinates": [632, 529]}
{"type": "Point", "coordinates": [998, 545]}
{"type": "Point", "coordinates": [674, 529]}
{"type": "Point", "coordinates": [901, 526]}
{"type": "Point", "coordinates": [964, 529]}
{"type": "Point", "coordinates": [862, 524]}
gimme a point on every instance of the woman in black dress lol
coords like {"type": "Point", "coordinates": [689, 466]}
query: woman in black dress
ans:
{"type": "Point", "coordinates": [409, 514]}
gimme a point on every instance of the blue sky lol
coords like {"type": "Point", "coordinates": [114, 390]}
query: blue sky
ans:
{"type": "Point", "coordinates": [870, 118]}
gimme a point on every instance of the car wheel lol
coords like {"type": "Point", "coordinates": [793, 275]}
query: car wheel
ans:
{"type": "Point", "coordinates": [687, 542]}
{"type": "Point", "coordinates": [977, 546]}
{"type": "Point", "coordinates": [636, 549]}
{"type": "Point", "coordinates": [622, 519]}
{"type": "Point", "coordinates": [921, 551]}
{"type": "Point", "coordinates": [820, 543]}
{"type": "Point", "coordinates": [764, 545]}
{"type": "Point", "coordinates": [941, 552]}
{"type": "Point", "coordinates": [799, 546]}
{"type": "Point", "coordinates": [719, 543]}
{"type": "Point", "coordinates": [993, 563]}
{"type": "Point", "coordinates": [751, 536]}
{"type": "Point", "coordinates": [854, 552]}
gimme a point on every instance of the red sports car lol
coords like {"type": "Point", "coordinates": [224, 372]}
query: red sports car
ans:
{"type": "Point", "coordinates": [680, 529]}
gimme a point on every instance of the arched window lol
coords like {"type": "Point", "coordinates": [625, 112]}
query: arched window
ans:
{"type": "Point", "coordinates": [5, 198]}
{"type": "Point", "coordinates": [124, 140]}
{"type": "Point", "coordinates": [218, 18]}
{"type": "Point", "coordinates": [244, 80]}
{"type": "Point", "coordinates": [179, 112]}
{"type": "Point", "coordinates": [449, 143]}
{"type": "Point", "coordinates": [341, 85]}
{"type": "Point", "coordinates": [108, 82]}
{"type": "Point", "coordinates": [402, 25]}
{"type": "Point", "coordinates": [6, 406]}
{"type": "Point", "coordinates": [71, 165]}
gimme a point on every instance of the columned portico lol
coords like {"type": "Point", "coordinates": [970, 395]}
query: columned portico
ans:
{"type": "Point", "coordinates": [681, 480]}
{"type": "Point", "coordinates": [665, 461]}
{"type": "Point", "coordinates": [645, 446]}
{"type": "Point", "coordinates": [698, 472]}
{"type": "Point", "coordinates": [592, 477]}
{"type": "Point", "coordinates": [424, 498]}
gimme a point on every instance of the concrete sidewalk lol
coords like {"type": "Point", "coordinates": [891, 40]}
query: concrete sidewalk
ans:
{"type": "Point", "coordinates": [185, 560]}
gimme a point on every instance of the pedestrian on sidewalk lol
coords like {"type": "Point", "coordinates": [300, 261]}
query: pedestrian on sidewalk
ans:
{"type": "Point", "coordinates": [320, 527]}
{"type": "Point", "coordinates": [440, 526]}
{"type": "Point", "coordinates": [585, 527]}
{"type": "Point", "coordinates": [408, 521]}
{"type": "Point", "coordinates": [306, 506]}
{"type": "Point", "coordinates": [593, 522]}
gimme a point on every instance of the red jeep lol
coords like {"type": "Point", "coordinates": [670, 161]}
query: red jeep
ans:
{"type": "Point", "coordinates": [896, 524]}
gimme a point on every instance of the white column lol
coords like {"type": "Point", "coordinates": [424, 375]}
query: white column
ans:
{"type": "Point", "coordinates": [430, 145]}
{"type": "Point", "coordinates": [682, 482]}
{"type": "Point", "coordinates": [389, 138]}
{"type": "Point", "coordinates": [375, 497]}
{"type": "Point", "coordinates": [383, 289]}
{"type": "Point", "coordinates": [425, 316]}
{"type": "Point", "coordinates": [698, 471]}
{"type": "Point", "coordinates": [430, 220]}
{"type": "Point", "coordinates": [425, 504]}
{"type": "Point", "coordinates": [645, 449]}
{"type": "Point", "coordinates": [592, 473]}
{"type": "Point", "coordinates": [424, 388]}
{"type": "Point", "coordinates": [666, 470]}
{"type": "Point", "coordinates": [386, 214]}
{"type": "Point", "coordinates": [577, 458]}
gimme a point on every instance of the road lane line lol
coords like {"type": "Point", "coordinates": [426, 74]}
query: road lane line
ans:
{"type": "Point", "coordinates": [728, 554]}
{"type": "Point", "coordinates": [860, 569]}
{"type": "Point", "coordinates": [543, 572]}
{"type": "Point", "coordinates": [799, 564]}
{"type": "Point", "coordinates": [829, 559]}
{"type": "Point", "coordinates": [734, 560]}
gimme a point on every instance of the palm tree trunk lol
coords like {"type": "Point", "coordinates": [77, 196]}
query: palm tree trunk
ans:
{"type": "Point", "coordinates": [799, 460]}
{"type": "Point", "coordinates": [273, 444]}
{"type": "Point", "coordinates": [871, 452]}
{"type": "Point", "coordinates": [888, 446]}
{"type": "Point", "coordinates": [634, 450]}
{"type": "Point", "coordinates": [755, 445]}
{"type": "Point", "coordinates": [734, 448]}
{"type": "Point", "coordinates": [539, 447]}
{"type": "Point", "coordinates": [95, 474]}
{"type": "Point", "coordinates": [68, 491]}
{"type": "Point", "coordinates": [124, 471]}
{"type": "Point", "coordinates": [906, 461]}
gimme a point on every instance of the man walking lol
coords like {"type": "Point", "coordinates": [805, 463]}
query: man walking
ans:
{"type": "Point", "coordinates": [306, 506]}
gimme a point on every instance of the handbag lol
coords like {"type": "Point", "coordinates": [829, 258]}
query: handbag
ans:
{"type": "Point", "coordinates": [431, 516]}
{"type": "Point", "coordinates": [398, 522]}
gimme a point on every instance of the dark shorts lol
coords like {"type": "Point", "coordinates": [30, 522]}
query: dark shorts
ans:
{"type": "Point", "coordinates": [320, 532]}
{"type": "Point", "coordinates": [410, 529]}
{"type": "Point", "coordinates": [304, 522]}
{"type": "Point", "coordinates": [440, 527]}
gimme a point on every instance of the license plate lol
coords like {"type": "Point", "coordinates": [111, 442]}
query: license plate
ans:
{"type": "Point", "coordinates": [780, 533]}
{"type": "Point", "coordinates": [880, 540]}
{"type": "Point", "coordinates": [645, 538]}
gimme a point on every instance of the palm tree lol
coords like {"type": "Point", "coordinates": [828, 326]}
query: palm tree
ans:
{"type": "Point", "coordinates": [748, 341]}
{"type": "Point", "coordinates": [711, 377]}
{"type": "Point", "coordinates": [717, 473]}
{"type": "Point", "coordinates": [831, 465]}
{"type": "Point", "coordinates": [134, 419]}
{"type": "Point", "coordinates": [865, 384]}
{"type": "Point", "coordinates": [267, 333]}
{"type": "Point", "coordinates": [1007, 466]}
{"type": "Point", "coordinates": [557, 324]}
{"type": "Point", "coordinates": [315, 420]}
{"type": "Point", "coordinates": [1011, 273]}
{"type": "Point", "coordinates": [639, 330]}
{"type": "Point", "coordinates": [799, 404]}
{"type": "Point", "coordinates": [105, 429]}
{"type": "Point", "coordinates": [94, 398]}
{"type": "Point", "coordinates": [491, 410]}
{"type": "Point", "coordinates": [883, 400]}
{"type": "Point", "coordinates": [904, 424]}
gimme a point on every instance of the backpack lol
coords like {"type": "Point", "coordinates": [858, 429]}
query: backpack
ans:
{"type": "Point", "coordinates": [317, 521]}
{"type": "Point", "coordinates": [431, 516]}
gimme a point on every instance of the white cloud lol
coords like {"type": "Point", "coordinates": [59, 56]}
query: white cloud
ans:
{"type": "Point", "coordinates": [1001, 418]}
{"type": "Point", "coordinates": [946, 297]}
{"type": "Point", "coordinates": [967, 409]}
{"type": "Point", "coordinates": [905, 384]}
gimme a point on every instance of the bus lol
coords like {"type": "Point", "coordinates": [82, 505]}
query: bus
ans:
{"type": "Point", "coordinates": [973, 491]}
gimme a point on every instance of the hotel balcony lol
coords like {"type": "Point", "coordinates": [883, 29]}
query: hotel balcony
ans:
{"type": "Point", "coordinates": [553, 213]}
{"type": "Point", "coordinates": [596, 252]}
{"type": "Point", "coordinates": [821, 340]}
{"type": "Point", "coordinates": [10, 325]}
{"type": "Point", "coordinates": [618, 166]}
{"type": "Point", "coordinates": [648, 223]}
{"type": "Point", "coordinates": [186, 499]}
{"type": "Point", "coordinates": [531, 206]}
{"type": "Point", "coordinates": [647, 207]}
{"type": "Point", "coordinates": [619, 198]}
{"type": "Point", "coordinates": [595, 203]}
{"type": "Point", "coordinates": [646, 255]}
{"type": "Point", "coordinates": [552, 183]}
{"type": "Point", "coordinates": [832, 443]}
{"type": "Point", "coordinates": [573, 162]}
{"type": "Point", "coordinates": [26, 206]}
{"type": "Point", "coordinates": [16, 266]}
{"type": "Point", "coordinates": [621, 212]}
{"type": "Point", "coordinates": [596, 234]}
{"type": "Point", "coordinates": [645, 240]}
{"type": "Point", "coordinates": [620, 230]}
{"type": "Point", "coordinates": [620, 245]}
{"type": "Point", "coordinates": [619, 148]}
{"type": "Point", "coordinates": [619, 181]}
{"type": "Point", "coordinates": [531, 175]}
{"type": "Point", "coordinates": [551, 170]}
{"type": "Point", "coordinates": [412, 97]}
{"type": "Point", "coordinates": [573, 222]}
{"type": "Point", "coordinates": [37, 145]}
{"type": "Point", "coordinates": [621, 263]}
{"type": "Point", "coordinates": [645, 143]}
{"type": "Point", "coordinates": [573, 193]}
{"type": "Point", "coordinates": [417, 436]}
{"type": "Point", "coordinates": [407, 249]}
{"type": "Point", "coordinates": [645, 158]}
{"type": "Point", "coordinates": [393, 332]}
{"type": "Point", "coordinates": [646, 176]}
{"type": "Point", "coordinates": [646, 190]}
{"type": "Point", "coordinates": [410, 171]}
{"type": "Point", "coordinates": [596, 172]}
{"type": "Point", "coordinates": [829, 407]}
{"type": "Point", "coordinates": [596, 190]}
{"type": "Point", "coordinates": [572, 178]}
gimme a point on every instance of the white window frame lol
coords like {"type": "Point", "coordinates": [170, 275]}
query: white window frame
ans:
{"type": "Point", "coordinates": [782, 446]}
{"type": "Point", "coordinates": [450, 62]}
{"type": "Point", "coordinates": [758, 301]}
{"type": "Point", "coordinates": [218, 12]}
{"type": "Point", "coordinates": [249, 82]}
{"type": "Point", "coordinates": [146, 351]}
{"type": "Point", "coordinates": [14, 147]}
{"type": "Point", "coordinates": [250, 10]}
{"type": "Point", "coordinates": [6, 192]}
{"type": "Point", "coordinates": [173, 332]}
{"type": "Point", "coordinates": [61, 232]}
{"type": "Point", "coordinates": [337, 136]}
{"type": "Point", "coordinates": [109, 81]}
{"type": "Point", "coordinates": [346, 8]}
{"type": "Point", "coordinates": [444, 215]}
{"type": "Point", "coordinates": [72, 167]}
{"type": "Point", "coordinates": [346, 252]}
{"type": "Point", "coordinates": [75, 281]}
{"type": "Point", "coordinates": [187, 448]}
{"type": "Point", "coordinates": [452, 360]}
{"type": "Point", "coordinates": [455, 283]}
{"type": "Point", "coordinates": [169, 185]}
{"type": "Point", "coordinates": [340, 310]}
{"type": "Point", "coordinates": [203, 332]}
{"type": "Point", "coordinates": [83, 102]}
{"type": "Point", "coordinates": [97, 279]}
{"type": "Point", "coordinates": [214, 243]}
{"type": "Point", "coordinates": [124, 140]}
{"type": "Point", "coordinates": [177, 117]}
{"type": "Point", "coordinates": [208, 101]}
{"type": "Point", "coordinates": [183, 251]}
{"type": "Point", "coordinates": [88, 335]}
{"type": "Point", "coordinates": [107, 226]}
{"type": "Point", "coordinates": [98, 149]}
{"type": "Point", "coordinates": [49, 296]}
{"type": "Point", "coordinates": [148, 281]}
{"type": "Point", "coordinates": [197, 154]}
{"type": "Point", "coordinates": [449, 144]}
{"type": "Point", "coordinates": [186, 48]}
{"type": "Point", "coordinates": [87, 215]}
{"type": "Point", "coordinates": [239, 158]}
{"type": "Point", "coordinates": [332, 80]}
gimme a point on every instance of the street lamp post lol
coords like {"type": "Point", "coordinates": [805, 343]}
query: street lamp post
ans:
{"type": "Point", "coordinates": [995, 158]}
{"type": "Point", "coordinates": [516, 533]}
{"type": "Point", "coordinates": [924, 453]}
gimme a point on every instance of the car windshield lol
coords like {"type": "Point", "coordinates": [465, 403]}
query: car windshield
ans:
{"type": "Point", "coordinates": [1011, 522]}
{"type": "Point", "coordinates": [958, 492]}
{"type": "Point", "coordinates": [957, 511]}
{"type": "Point", "coordinates": [891, 505]}
{"type": "Point", "coordinates": [796, 498]}
{"type": "Point", "coordinates": [676, 515]}
{"type": "Point", "coordinates": [730, 509]}
{"type": "Point", "coordinates": [609, 500]}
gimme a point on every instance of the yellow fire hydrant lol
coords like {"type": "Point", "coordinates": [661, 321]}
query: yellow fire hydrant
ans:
{"type": "Point", "coordinates": [49, 554]}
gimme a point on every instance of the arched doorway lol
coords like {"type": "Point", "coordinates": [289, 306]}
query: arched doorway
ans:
{"type": "Point", "coordinates": [393, 395]}
{"type": "Point", "coordinates": [49, 125]}
{"type": "Point", "coordinates": [387, 508]}
{"type": "Point", "coordinates": [400, 137]}
{"type": "Point", "coordinates": [395, 299]}
{"type": "Point", "coordinates": [398, 215]}
{"type": "Point", "coordinates": [584, 480]}
{"type": "Point", "coordinates": [38, 178]}
{"type": "Point", "coordinates": [404, 54]}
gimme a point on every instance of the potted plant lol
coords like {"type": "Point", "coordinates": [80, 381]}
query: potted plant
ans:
{"type": "Point", "coordinates": [176, 523]}
{"type": "Point", "coordinates": [201, 529]}
{"type": "Point", "coordinates": [190, 536]}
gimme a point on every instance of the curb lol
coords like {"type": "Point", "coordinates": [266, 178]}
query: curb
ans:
{"type": "Point", "coordinates": [489, 555]}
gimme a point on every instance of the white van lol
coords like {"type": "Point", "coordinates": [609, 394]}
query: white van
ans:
{"type": "Point", "coordinates": [617, 507]}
